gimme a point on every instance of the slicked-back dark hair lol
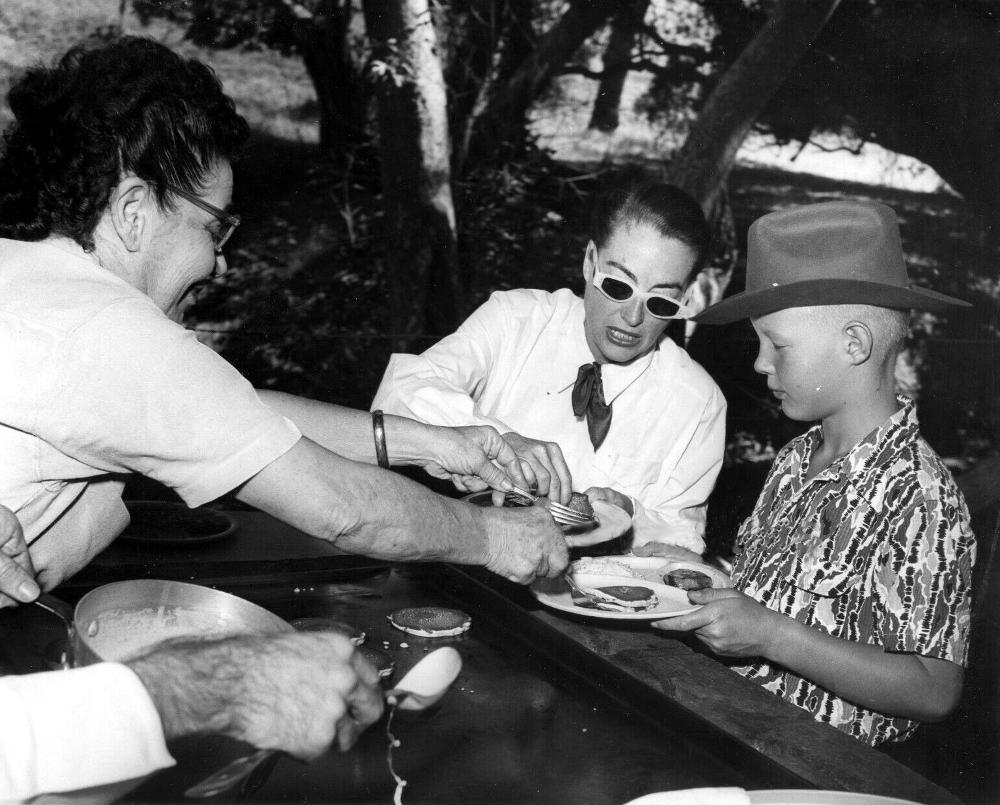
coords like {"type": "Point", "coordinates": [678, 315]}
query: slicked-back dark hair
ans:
{"type": "Point", "coordinates": [669, 210]}
{"type": "Point", "coordinates": [132, 107]}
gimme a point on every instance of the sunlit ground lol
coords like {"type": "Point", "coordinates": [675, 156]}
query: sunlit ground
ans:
{"type": "Point", "coordinates": [561, 123]}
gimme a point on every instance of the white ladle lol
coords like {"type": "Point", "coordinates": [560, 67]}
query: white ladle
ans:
{"type": "Point", "coordinates": [427, 681]}
{"type": "Point", "coordinates": [423, 685]}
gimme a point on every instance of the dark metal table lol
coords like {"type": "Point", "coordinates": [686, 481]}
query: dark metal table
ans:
{"type": "Point", "coordinates": [548, 708]}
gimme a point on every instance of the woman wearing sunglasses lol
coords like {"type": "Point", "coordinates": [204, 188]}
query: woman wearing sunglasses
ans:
{"type": "Point", "coordinates": [590, 392]}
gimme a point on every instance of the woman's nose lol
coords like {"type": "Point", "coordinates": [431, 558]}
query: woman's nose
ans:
{"type": "Point", "coordinates": [220, 265]}
{"type": "Point", "coordinates": [633, 312]}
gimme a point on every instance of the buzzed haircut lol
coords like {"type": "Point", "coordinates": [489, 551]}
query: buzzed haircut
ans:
{"type": "Point", "coordinates": [889, 326]}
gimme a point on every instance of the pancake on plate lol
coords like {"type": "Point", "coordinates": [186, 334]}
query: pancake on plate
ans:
{"type": "Point", "coordinates": [431, 621]}
{"type": "Point", "coordinates": [687, 579]}
{"type": "Point", "coordinates": [623, 598]}
{"type": "Point", "coordinates": [579, 502]}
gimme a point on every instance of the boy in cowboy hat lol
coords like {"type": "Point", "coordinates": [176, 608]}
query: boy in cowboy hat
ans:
{"type": "Point", "coordinates": [852, 573]}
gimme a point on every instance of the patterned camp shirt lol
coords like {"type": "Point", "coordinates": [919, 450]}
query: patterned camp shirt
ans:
{"type": "Point", "coordinates": [876, 548]}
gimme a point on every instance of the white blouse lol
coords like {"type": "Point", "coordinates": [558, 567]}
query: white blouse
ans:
{"type": "Point", "coordinates": [513, 364]}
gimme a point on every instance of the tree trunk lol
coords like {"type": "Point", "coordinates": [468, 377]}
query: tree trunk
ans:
{"type": "Point", "coordinates": [497, 38]}
{"type": "Point", "coordinates": [421, 254]}
{"type": "Point", "coordinates": [340, 93]}
{"type": "Point", "coordinates": [500, 129]}
{"type": "Point", "coordinates": [706, 158]}
{"type": "Point", "coordinates": [704, 161]}
{"type": "Point", "coordinates": [617, 57]}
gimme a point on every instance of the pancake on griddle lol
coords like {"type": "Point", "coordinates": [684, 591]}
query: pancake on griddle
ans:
{"type": "Point", "coordinates": [431, 621]}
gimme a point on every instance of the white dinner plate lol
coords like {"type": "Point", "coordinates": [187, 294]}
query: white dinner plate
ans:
{"type": "Point", "coordinates": [612, 522]}
{"type": "Point", "coordinates": [555, 593]}
{"type": "Point", "coordinates": [650, 568]}
{"type": "Point", "coordinates": [808, 797]}
{"type": "Point", "coordinates": [736, 796]}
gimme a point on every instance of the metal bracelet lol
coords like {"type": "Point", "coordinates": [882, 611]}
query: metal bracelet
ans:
{"type": "Point", "coordinates": [378, 429]}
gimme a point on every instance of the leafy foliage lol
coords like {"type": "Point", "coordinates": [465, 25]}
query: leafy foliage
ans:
{"type": "Point", "coordinates": [227, 23]}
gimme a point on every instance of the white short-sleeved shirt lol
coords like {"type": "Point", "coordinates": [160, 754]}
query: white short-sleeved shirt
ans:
{"type": "Point", "coordinates": [513, 365]}
{"type": "Point", "coordinates": [96, 382]}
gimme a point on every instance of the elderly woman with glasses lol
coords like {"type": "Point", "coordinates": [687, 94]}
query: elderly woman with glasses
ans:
{"type": "Point", "coordinates": [590, 392]}
{"type": "Point", "coordinates": [115, 179]}
{"type": "Point", "coordinates": [115, 183]}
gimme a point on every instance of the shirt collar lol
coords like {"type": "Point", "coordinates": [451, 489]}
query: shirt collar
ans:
{"type": "Point", "coordinates": [870, 454]}
{"type": "Point", "coordinates": [615, 377]}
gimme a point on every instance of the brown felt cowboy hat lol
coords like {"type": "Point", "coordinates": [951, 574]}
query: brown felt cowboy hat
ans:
{"type": "Point", "coordinates": [833, 253]}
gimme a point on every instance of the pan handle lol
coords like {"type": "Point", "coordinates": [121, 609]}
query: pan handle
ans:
{"type": "Point", "coordinates": [230, 775]}
{"type": "Point", "coordinates": [64, 612]}
{"type": "Point", "coordinates": [57, 607]}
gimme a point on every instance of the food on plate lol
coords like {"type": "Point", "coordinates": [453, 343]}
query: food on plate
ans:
{"type": "Point", "coordinates": [431, 621]}
{"type": "Point", "coordinates": [579, 502]}
{"type": "Point", "coordinates": [602, 566]}
{"type": "Point", "coordinates": [352, 633]}
{"type": "Point", "coordinates": [382, 660]}
{"type": "Point", "coordinates": [623, 598]}
{"type": "Point", "coordinates": [687, 579]}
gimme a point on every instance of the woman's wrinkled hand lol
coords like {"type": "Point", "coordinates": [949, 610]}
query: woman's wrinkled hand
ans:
{"type": "Point", "coordinates": [524, 544]}
{"type": "Point", "coordinates": [544, 467]}
{"type": "Point", "coordinates": [474, 458]}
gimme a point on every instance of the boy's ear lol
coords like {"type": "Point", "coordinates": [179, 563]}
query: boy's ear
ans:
{"type": "Point", "coordinates": [859, 342]}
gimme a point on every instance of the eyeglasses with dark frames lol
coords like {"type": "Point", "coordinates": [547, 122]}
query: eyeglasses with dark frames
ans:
{"type": "Point", "coordinates": [229, 220]}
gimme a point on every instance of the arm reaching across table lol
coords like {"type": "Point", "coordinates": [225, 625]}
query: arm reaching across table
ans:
{"type": "Point", "coordinates": [366, 510]}
{"type": "Point", "coordinates": [442, 386]}
{"type": "Point", "coordinates": [470, 456]}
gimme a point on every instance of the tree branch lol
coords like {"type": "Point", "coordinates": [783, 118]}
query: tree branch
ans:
{"type": "Point", "coordinates": [671, 49]}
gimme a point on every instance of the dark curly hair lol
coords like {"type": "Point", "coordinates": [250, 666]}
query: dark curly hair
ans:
{"type": "Point", "coordinates": [132, 107]}
{"type": "Point", "coordinates": [669, 210]}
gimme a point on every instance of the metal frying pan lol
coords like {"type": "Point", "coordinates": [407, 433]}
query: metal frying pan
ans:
{"type": "Point", "coordinates": [126, 618]}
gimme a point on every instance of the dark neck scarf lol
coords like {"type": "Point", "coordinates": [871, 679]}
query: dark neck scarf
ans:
{"type": "Point", "coordinates": [588, 398]}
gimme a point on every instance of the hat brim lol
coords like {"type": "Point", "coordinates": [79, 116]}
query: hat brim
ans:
{"type": "Point", "coordinates": [752, 304]}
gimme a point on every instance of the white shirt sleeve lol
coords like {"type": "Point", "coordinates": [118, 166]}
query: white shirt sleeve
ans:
{"type": "Point", "coordinates": [442, 385]}
{"type": "Point", "coordinates": [134, 392]}
{"type": "Point", "coordinates": [675, 512]}
{"type": "Point", "coordinates": [81, 729]}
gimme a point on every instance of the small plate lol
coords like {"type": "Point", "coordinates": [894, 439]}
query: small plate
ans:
{"type": "Point", "coordinates": [555, 593]}
{"type": "Point", "coordinates": [161, 523]}
{"type": "Point", "coordinates": [612, 522]}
